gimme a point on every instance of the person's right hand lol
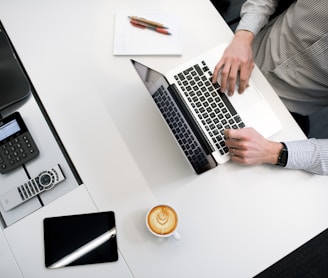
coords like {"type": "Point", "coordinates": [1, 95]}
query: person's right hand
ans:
{"type": "Point", "coordinates": [236, 62]}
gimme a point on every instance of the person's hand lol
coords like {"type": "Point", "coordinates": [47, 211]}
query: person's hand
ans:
{"type": "Point", "coordinates": [236, 62]}
{"type": "Point", "coordinates": [248, 147]}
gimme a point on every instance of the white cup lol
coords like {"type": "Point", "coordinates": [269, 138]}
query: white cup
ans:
{"type": "Point", "coordinates": [162, 221]}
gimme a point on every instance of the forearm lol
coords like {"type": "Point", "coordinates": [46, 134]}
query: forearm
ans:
{"type": "Point", "coordinates": [244, 38]}
{"type": "Point", "coordinates": [272, 153]}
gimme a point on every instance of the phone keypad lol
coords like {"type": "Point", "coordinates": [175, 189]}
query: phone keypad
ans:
{"type": "Point", "coordinates": [16, 152]}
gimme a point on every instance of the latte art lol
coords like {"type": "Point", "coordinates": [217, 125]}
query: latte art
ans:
{"type": "Point", "coordinates": [162, 220]}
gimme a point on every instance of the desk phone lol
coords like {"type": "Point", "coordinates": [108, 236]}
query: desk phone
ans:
{"type": "Point", "coordinates": [16, 143]}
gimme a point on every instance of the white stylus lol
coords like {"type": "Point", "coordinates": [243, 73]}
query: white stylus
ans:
{"type": "Point", "coordinates": [86, 248]}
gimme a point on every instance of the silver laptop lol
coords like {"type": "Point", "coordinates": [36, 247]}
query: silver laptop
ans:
{"type": "Point", "coordinates": [197, 112]}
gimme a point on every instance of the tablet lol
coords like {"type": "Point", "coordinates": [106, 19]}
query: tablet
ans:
{"type": "Point", "coordinates": [80, 239]}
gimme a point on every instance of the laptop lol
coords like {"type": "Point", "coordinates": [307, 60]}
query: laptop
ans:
{"type": "Point", "coordinates": [197, 112]}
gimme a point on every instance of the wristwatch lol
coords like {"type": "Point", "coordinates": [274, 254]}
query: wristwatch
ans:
{"type": "Point", "coordinates": [283, 156]}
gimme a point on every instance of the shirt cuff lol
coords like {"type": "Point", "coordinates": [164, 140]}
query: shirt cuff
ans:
{"type": "Point", "coordinates": [301, 154]}
{"type": "Point", "coordinates": [252, 22]}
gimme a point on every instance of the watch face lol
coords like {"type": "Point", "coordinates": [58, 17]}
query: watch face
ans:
{"type": "Point", "coordinates": [283, 156]}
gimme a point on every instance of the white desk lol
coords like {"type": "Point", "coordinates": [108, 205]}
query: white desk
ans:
{"type": "Point", "coordinates": [235, 221]}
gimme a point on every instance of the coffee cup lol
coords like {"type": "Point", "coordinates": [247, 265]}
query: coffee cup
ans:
{"type": "Point", "coordinates": [162, 221]}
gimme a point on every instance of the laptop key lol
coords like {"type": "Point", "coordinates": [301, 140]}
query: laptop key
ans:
{"type": "Point", "coordinates": [199, 70]}
{"type": "Point", "coordinates": [228, 104]}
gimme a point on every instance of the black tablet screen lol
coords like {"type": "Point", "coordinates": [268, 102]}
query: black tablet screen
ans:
{"type": "Point", "coordinates": [80, 239]}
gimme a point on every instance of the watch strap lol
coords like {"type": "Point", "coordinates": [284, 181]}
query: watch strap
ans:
{"type": "Point", "coordinates": [283, 156]}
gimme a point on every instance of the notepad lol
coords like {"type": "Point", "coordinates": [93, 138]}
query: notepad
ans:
{"type": "Point", "coordinates": [130, 40]}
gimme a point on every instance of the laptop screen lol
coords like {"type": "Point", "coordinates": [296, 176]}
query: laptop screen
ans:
{"type": "Point", "coordinates": [152, 79]}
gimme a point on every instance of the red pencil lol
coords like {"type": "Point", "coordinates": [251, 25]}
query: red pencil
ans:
{"type": "Point", "coordinates": [145, 25]}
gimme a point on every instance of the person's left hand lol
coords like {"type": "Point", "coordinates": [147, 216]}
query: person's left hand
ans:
{"type": "Point", "coordinates": [248, 147]}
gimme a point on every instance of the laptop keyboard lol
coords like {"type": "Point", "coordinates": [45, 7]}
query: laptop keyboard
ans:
{"type": "Point", "coordinates": [180, 129]}
{"type": "Point", "coordinates": [212, 107]}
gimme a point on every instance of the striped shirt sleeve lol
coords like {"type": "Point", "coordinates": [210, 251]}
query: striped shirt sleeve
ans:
{"type": "Point", "coordinates": [310, 155]}
{"type": "Point", "coordinates": [255, 14]}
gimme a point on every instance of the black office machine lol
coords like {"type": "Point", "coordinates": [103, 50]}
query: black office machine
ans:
{"type": "Point", "coordinates": [14, 86]}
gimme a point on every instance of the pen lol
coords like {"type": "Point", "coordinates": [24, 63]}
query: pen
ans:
{"type": "Point", "coordinates": [151, 27]}
{"type": "Point", "coordinates": [149, 22]}
{"type": "Point", "coordinates": [85, 249]}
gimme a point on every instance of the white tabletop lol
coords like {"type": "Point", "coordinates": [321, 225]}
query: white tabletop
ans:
{"type": "Point", "coordinates": [235, 221]}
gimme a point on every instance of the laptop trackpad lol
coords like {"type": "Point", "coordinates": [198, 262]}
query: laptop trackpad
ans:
{"type": "Point", "coordinates": [248, 98]}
